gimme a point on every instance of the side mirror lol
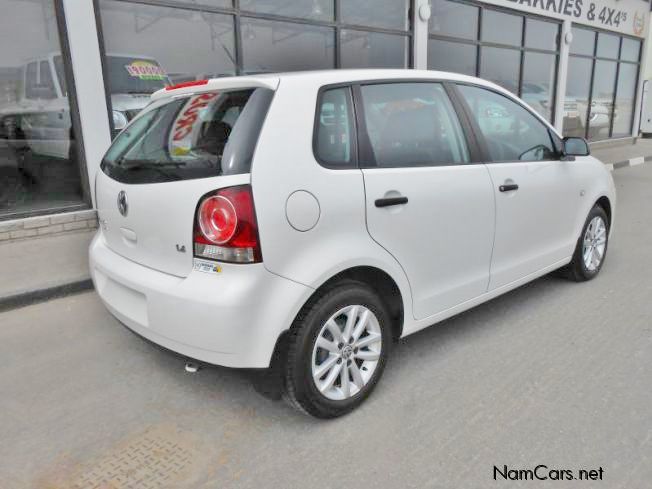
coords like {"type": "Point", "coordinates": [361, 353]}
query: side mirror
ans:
{"type": "Point", "coordinates": [574, 146]}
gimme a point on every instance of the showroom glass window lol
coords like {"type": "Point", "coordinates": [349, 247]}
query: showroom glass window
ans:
{"type": "Point", "coordinates": [39, 166]}
{"type": "Point", "coordinates": [173, 41]}
{"type": "Point", "coordinates": [601, 87]}
{"type": "Point", "coordinates": [517, 52]}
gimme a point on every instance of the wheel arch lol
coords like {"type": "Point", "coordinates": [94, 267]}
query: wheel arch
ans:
{"type": "Point", "coordinates": [381, 282]}
{"type": "Point", "coordinates": [604, 203]}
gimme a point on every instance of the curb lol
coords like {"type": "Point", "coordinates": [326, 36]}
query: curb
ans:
{"type": "Point", "coordinates": [41, 295]}
{"type": "Point", "coordinates": [639, 160]}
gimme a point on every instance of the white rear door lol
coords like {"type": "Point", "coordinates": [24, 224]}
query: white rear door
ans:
{"type": "Point", "coordinates": [426, 203]}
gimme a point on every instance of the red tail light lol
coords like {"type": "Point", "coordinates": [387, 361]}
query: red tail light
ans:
{"type": "Point", "coordinates": [226, 228]}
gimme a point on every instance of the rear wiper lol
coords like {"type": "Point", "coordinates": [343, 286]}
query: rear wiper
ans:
{"type": "Point", "coordinates": [158, 168]}
{"type": "Point", "coordinates": [136, 92]}
{"type": "Point", "coordinates": [149, 166]}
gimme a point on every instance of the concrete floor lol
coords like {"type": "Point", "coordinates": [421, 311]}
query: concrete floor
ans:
{"type": "Point", "coordinates": [554, 373]}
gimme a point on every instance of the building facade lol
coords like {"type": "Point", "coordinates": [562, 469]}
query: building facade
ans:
{"type": "Point", "coordinates": [74, 72]}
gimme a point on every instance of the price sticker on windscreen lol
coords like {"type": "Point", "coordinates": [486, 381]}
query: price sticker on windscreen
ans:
{"type": "Point", "coordinates": [145, 70]}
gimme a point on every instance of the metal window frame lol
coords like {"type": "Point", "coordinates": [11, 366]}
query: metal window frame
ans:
{"type": "Point", "coordinates": [594, 59]}
{"type": "Point", "coordinates": [75, 120]}
{"type": "Point", "coordinates": [522, 48]}
{"type": "Point", "coordinates": [237, 14]}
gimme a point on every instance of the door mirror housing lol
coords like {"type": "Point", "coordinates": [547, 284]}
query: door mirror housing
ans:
{"type": "Point", "coordinates": [574, 146]}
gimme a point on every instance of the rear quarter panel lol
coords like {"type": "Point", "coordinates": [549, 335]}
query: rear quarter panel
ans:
{"type": "Point", "coordinates": [283, 164]}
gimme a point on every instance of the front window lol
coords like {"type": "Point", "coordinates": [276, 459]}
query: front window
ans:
{"type": "Point", "coordinates": [511, 132]}
{"type": "Point", "coordinates": [197, 136]}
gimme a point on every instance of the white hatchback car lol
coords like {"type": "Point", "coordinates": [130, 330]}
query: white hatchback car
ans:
{"type": "Point", "coordinates": [309, 220]}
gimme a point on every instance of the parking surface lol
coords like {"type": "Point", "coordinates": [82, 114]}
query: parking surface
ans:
{"type": "Point", "coordinates": [554, 373]}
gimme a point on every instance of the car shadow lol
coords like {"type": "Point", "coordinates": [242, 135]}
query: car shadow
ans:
{"type": "Point", "coordinates": [261, 390]}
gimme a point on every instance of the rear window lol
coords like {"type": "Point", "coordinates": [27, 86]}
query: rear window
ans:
{"type": "Point", "coordinates": [334, 129]}
{"type": "Point", "coordinates": [198, 136]}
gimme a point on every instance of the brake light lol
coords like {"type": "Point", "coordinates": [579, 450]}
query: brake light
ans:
{"type": "Point", "coordinates": [226, 228]}
{"type": "Point", "coordinates": [193, 83]}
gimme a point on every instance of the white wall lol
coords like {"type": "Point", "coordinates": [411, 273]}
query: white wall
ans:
{"type": "Point", "coordinates": [87, 69]}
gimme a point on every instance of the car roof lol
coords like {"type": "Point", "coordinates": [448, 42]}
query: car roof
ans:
{"type": "Point", "coordinates": [320, 78]}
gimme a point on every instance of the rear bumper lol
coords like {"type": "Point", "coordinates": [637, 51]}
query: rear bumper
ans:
{"type": "Point", "coordinates": [232, 318]}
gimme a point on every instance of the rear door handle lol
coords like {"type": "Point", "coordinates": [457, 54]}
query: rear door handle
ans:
{"type": "Point", "coordinates": [508, 188]}
{"type": "Point", "coordinates": [387, 201]}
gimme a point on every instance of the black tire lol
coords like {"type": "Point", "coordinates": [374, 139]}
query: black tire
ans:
{"type": "Point", "coordinates": [300, 390]}
{"type": "Point", "coordinates": [576, 270]}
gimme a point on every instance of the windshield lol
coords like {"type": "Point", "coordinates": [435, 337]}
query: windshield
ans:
{"type": "Point", "coordinates": [197, 136]}
{"type": "Point", "coordinates": [135, 75]}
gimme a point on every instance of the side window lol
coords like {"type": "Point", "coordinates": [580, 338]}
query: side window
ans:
{"type": "Point", "coordinates": [334, 128]}
{"type": "Point", "coordinates": [412, 124]}
{"type": "Point", "coordinates": [31, 80]}
{"type": "Point", "coordinates": [512, 133]}
{"type": "Point", "coordinates": [46, 84]}
{"type": "Point", "coordinates": [61, 76]}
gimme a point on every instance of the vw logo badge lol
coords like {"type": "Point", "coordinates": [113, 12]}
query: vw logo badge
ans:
{"type": "Point", "coordinates": [123, 207]}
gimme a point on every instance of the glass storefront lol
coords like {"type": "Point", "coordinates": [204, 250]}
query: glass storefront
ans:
{"type": "Point", "coordinates": [518, 52]}
{"type": "Point", "coordinates": [148, 46]}
{"type": "Point", "coordinates": [601, 85]}
{"type": "Point", "coordinates": [39, 165]}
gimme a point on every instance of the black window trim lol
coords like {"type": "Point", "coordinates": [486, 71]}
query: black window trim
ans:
{"type": "Point", "coordinates": [366, 157]}
{"type": "Point", "coordinates": [354, 152]}
{"type": "Point", "coordinates": [555, 139]}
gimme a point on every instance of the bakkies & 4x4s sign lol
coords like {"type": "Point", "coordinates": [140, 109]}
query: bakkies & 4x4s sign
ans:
{"type": "Point", "coordinates": [624, 16]}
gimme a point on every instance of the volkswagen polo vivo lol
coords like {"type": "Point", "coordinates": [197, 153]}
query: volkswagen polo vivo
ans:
{"type": "Point", "coordinates": [310, 220]}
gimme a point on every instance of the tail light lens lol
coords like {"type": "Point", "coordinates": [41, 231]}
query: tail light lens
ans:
{"type": "Point", "coordinates": [226, 228]}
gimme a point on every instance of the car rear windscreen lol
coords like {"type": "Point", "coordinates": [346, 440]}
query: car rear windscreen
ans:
{"type": "Point", "coordinates": [197, 136]}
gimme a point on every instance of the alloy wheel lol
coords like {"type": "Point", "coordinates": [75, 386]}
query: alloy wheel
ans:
{"type": "Point", "coordinates": [594, 244]}
{"type": "Point", "coordinates": [346, 352]}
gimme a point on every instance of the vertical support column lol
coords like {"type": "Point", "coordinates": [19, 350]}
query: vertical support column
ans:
{"type": "Point", "coordinates": [89, 83]}
{"type": "Point", "coordinates": [420, 16]}
{"type": "Point", "coordinates": [562, 74]}
{"type": "Point", "coordinates": [642, 71]}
